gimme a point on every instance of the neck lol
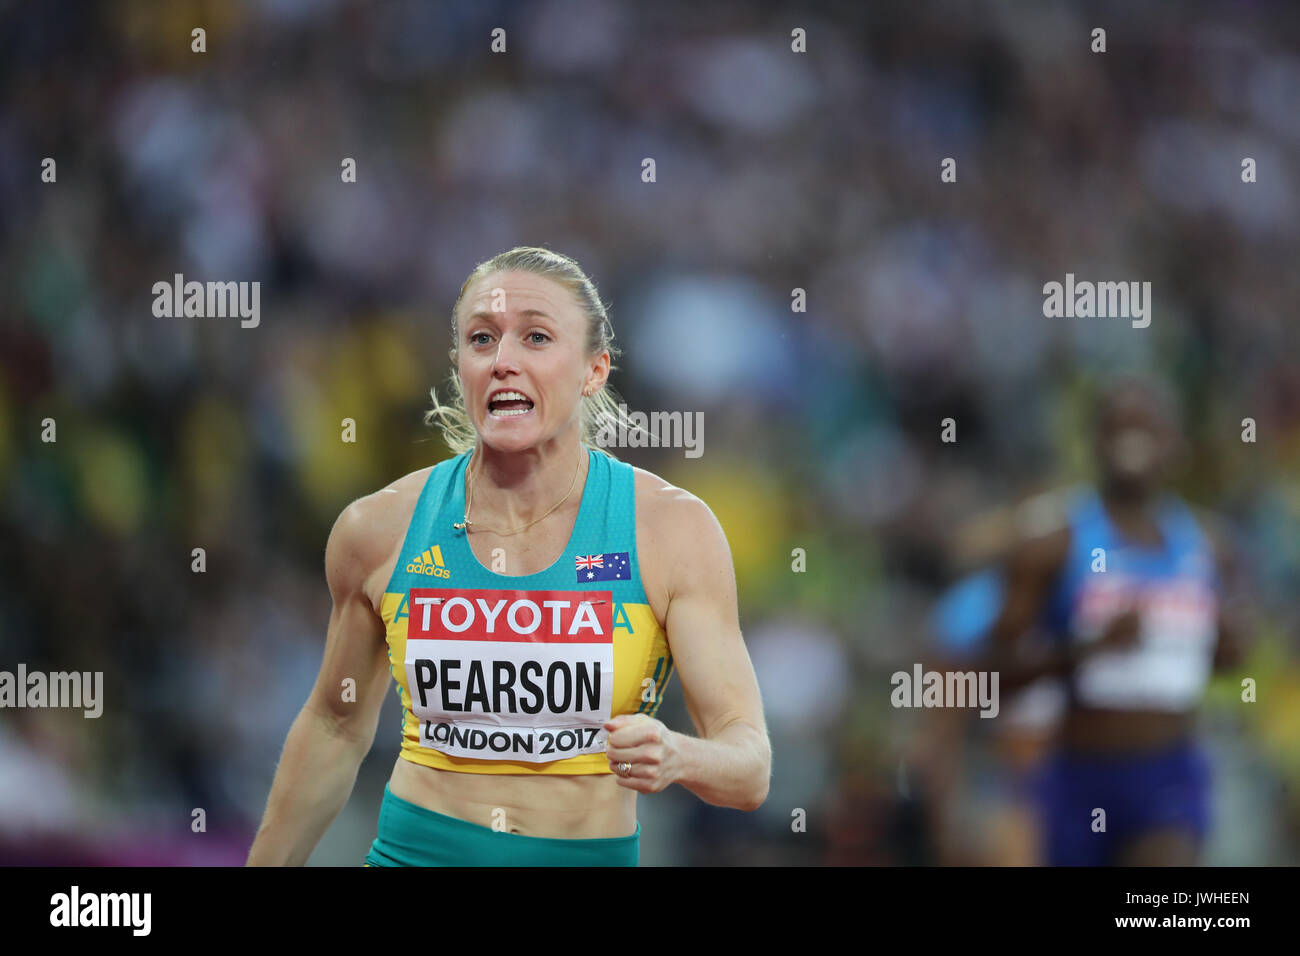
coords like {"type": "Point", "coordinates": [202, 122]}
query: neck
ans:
{"type": "Point", "coordinates": [513, 488]}
{"type": "Point", "coordinates": [1127, 497]}
{"type": "Point", "coordinates": [1130, 507]}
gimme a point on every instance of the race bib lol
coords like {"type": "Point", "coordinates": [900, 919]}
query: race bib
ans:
{"type": "Point", "coordinates": [510, 675]}
{"type": "Point", "coordinates": [1171, 663]}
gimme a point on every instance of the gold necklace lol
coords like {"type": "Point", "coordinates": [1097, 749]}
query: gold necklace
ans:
{"type": "Point", "coordinates": [459, 525]}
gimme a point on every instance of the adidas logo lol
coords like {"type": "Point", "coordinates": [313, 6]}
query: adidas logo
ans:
{"type": "Point", "coordinates": [429, 563]}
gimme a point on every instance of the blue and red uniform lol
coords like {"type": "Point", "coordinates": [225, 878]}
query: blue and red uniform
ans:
{"type": "Point", "coordinates": [1175, 589]}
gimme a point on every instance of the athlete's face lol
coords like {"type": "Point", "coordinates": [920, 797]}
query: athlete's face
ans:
{"type": "Point", "coordinates": [1135, 441]}
{"type": "Point", "coordinates": [524, 334]}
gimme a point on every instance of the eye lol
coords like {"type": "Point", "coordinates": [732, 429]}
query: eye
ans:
{"type": "Point", "coordinates": [474, 338]}
{"type": "Point", "coordinates": [533, 336]}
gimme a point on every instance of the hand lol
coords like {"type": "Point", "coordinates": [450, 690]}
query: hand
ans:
{"type": "Point", "coordinates": [1122, 632]}
{"type": "Point", "coordinates": [646, 744]}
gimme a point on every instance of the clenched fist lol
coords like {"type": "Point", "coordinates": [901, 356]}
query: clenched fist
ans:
{"type": "Point", "coordinates": [646, 744]}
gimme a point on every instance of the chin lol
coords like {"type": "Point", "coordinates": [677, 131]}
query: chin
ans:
{"type": "Point", "coordinates": [1134, 484]}
{"type": "Point", "coordinates": [510, 438]}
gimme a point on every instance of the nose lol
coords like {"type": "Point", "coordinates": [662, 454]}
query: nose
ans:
{"type": "Point", "coordinates": [504, 361]}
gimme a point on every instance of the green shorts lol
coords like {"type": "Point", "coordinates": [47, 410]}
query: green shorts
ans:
{"type": "Point", "coordinates": [411, 835]}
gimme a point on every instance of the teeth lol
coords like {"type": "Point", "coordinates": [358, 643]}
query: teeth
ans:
{"type": "Point", "coordinates": [510, 413]}
{"type": "Point", "coordinates": [510, 397]}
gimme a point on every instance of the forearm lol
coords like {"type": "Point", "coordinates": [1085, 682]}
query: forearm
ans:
{"type": "Point", "coordinates": [1230, 650]}
{"type": "Point", "coordinates": [1018, 669]}
{"type": "Point", "coordinates": [729, 769]}
{"type": "Point", "coordinates": [312, 784]}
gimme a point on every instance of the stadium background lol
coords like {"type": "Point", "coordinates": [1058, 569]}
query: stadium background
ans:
{"type": "Point", "coordinates": [775, 170]}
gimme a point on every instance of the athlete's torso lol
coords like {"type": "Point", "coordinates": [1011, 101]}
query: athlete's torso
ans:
{"type": "Point", "coordinates": [1144, 696]}
{"type": "Point", "coordinates": [506, 679]}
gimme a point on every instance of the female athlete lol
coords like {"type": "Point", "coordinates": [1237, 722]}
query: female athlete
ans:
{"type": "Point", "coordinates": [1142, 598]}
{"type": "Point", "coordinates": [531, 597]}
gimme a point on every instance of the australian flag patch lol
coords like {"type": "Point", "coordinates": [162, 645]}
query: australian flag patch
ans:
{"type": "Point", "coordinates": [613, 566]}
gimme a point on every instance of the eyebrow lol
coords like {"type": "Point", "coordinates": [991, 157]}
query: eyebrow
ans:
{"type": "Point", "coordinates": [526, 313]}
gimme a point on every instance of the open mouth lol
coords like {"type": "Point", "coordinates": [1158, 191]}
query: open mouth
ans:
{"type": "Point", "coordinates": [1133, 451]}
{"type": "Point", "coordinates": [509, 404]}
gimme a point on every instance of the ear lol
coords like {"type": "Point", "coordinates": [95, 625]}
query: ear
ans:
{"type": "Point", "coordinates": [597, 373]}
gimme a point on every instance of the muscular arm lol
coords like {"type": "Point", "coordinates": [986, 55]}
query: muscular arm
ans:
{"type": "Point", "coordinates": [1029, 574]}
{"type": "Point", "coordinates": [333, 731]}
{"type": "Point", "coordinates": [729, 763]}
{"type": "Point", "coordinates": [1234, 624]}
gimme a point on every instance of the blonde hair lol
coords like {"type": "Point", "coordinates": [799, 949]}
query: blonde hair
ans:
{"type": "Point", "coordinates": [599, 409]}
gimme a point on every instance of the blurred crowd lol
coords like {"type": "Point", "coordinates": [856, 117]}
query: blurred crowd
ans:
{"type": "Point", "coordinates": [774, 171]}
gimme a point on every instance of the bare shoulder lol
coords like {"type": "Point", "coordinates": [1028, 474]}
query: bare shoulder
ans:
{"type": "Point", "coordinates": [1042, 530]}
{"type": "Point", "coordinates": [670, 510]}
{"type": "Point", "coordinates": [1218, 533]}
{"type": "Point", "coordinates": [679, 539]}
{"type": "Point", "coordinates": [368, 533]}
